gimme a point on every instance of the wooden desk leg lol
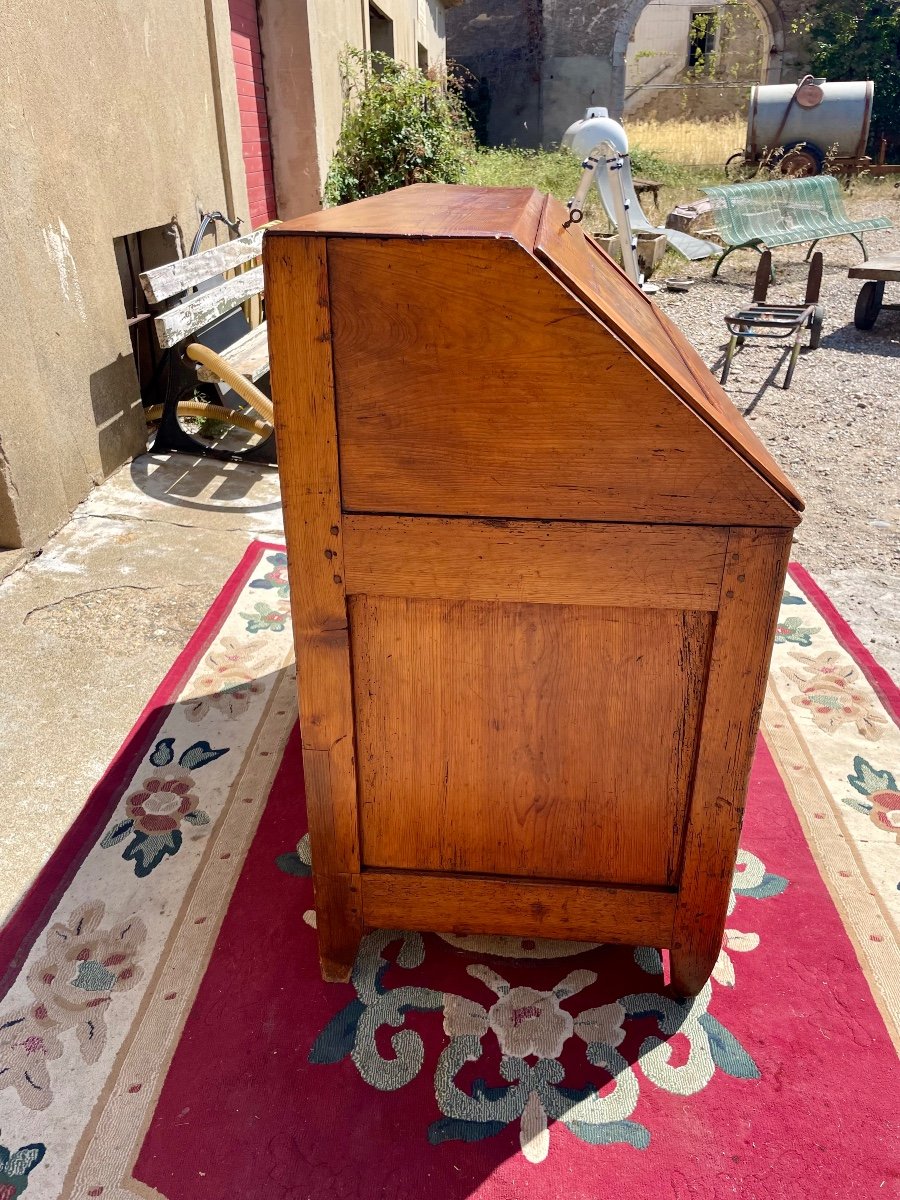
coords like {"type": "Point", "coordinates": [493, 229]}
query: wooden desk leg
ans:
{"type": "Point", "coordinates": [303, 384]}
{"type": "Point", "coordinates": [692, 968]}
{"type": "Point", "coordinates": [338, 924]}
{"type": "Point", "coordinates": [752, 583]}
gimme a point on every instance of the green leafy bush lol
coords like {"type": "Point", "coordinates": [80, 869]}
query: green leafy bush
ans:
{"type": "Point", "coordinates": [859, 41]}
{"type": "Point", "coordinates": [400, 126]}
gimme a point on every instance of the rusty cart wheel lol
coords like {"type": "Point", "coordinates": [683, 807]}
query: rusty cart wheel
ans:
{"type": "Point", "coordinates": [815, 327]}
{"type": "Point", "coordinates": [868, 304]}
{"type": "Point", "coordinates": [799, 159]}
{"type": "Point", "coordinates": [738, 167]}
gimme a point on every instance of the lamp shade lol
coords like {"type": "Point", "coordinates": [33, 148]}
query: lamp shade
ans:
{"type": "Point", "coordinates": [595, 127]}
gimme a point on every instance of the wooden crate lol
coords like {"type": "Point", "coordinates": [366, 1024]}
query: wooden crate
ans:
{"type": "Point", "coordinates": [536, 557]}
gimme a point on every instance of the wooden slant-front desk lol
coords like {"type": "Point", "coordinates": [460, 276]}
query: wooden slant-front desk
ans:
{"type": "Point", "coordinates": [536, 557]}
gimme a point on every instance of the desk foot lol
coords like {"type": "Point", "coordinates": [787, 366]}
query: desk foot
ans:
{"type": "Point", "coordinates": [338, 924]}
{"type": "Point", "coordinates": [691, 970]}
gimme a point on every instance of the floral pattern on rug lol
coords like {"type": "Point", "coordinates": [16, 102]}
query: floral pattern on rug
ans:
{"type": "Point", "coordinates": [882, 796]}
{"type": "Point", "coordinates": [229, 682]}
{"type": "Point", "coordinates": [73, 984]}
{"type": "Point", "coordinates": [840, 716]}
{"type": "Point", "coordinates": [68, 1018]}
{"type": "Point", "coordinates": [266, 619]}
{"type": "Point", "coordinates": [792, 629]}
{"type": "Point", "coordinates": [72, 1003]}
{"type": "Point", "coordinates": [156, 810]}
{"type": "Point", "coordinates": [834, 692]}
{"type": "Point", "coordinates": [16, 1166]}
{"type": "Point", "coordinates": [532, 1031]}
{"type": "Point", "coordinates": [277, 578]}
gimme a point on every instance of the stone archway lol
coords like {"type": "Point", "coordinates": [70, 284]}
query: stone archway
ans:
{"type": "Point", "coordinates": [769, 13]}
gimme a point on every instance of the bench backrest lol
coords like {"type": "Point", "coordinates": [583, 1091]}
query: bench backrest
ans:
{"type": "Point", "coordinates": [746, 212]}
{"type": "Point", "coordinates": [162, 283]}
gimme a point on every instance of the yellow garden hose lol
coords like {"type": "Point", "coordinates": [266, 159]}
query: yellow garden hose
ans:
{"type": "Point", "coordinates": [214, 412]}
{"type": "Point", "coordinates": [244, 388]}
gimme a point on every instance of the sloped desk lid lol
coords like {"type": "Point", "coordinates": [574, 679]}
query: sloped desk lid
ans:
{"type": "Point", "coordinates": [538, 224]}
{"type": "Point", "coordinates": [580, 263]}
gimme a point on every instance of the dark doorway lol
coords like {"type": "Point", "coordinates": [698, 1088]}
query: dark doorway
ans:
{"type": "Point", "coordinates": [381, 31]}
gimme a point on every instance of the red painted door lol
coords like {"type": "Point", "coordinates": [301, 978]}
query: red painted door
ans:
{"type": "Point", "coordinates": [251, 92]}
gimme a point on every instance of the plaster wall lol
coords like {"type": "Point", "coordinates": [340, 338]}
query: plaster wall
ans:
{"type": "Point", "coordinates": [302, 44]}
{"type": "Point", "coordinates": [115, 118]}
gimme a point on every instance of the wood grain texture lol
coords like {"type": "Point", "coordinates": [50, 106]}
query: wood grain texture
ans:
{"type": "Point", "coordinates": [432, 210]}
{"type": "Point", "coordinates": [534, 610]}
{"type": "Point", "coordinates": [525, 739]}
{"type": "Point", "coordinates": [597, 281]}
{"type": "Point", "coordinates": [541, 562]}
{"type": "Point", "coordinates": [756, 563]}
{"type": "Point", "coordinates": [302, 380]}
{"type": "Point", "coordinates": [477, 386]}
{"type": "Point", "coordinates": [515, 907]}
{"type": "Point", "coordinates": [175, 324]}
{"type": "Point", "coordinates": [173, 278]}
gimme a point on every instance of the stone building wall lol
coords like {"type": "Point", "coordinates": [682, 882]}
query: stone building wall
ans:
{"type": "Point", "coordinates": [538, 64]}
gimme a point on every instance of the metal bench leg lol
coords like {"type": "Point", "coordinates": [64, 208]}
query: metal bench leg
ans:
{"type": "Point", "coordinates": [731, 250]}
{"type": "Point", "coordinates": [721, 259]}
{"type": "Point", "coordinates": [809, 252]}
{"type": "Point", "coordinates": [862, 246]}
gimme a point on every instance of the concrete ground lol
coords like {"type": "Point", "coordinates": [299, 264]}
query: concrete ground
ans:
{"type": "Point", "coordinates": [91, 626]}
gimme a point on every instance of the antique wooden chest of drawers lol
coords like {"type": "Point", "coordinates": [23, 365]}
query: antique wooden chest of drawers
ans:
{"type": "Point", "coordinates": [536, 557]}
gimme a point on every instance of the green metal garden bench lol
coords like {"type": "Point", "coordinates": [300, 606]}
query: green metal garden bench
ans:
{"type": "Point", "coordinates": [784, 212]}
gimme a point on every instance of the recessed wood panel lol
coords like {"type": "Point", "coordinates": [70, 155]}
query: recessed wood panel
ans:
{"type": "Point", "coordinates": [534, 740]}
{"type": "Point", "coordinates": [542, 562]}
{"type": "Point", "coordinates": [478, 386]}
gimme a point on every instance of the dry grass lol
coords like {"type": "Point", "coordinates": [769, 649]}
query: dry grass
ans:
{"type": "Point", "coordinates": [690, 143]}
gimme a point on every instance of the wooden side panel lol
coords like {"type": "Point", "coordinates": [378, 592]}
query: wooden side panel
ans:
{"type": "Point", "coordinates": [470, 382]}
{"type": "Point", "coordinates": [517, 908]}
{"type": "Point", "coordinates": [532, 740]}
{"type": "Point", "coordinates": [605, 288]}
{"type": "Point", "coordinates": [756, 563]}
{"type": "Point", "coordinates": [299, 339]}
{"type": "Point", "coordinates": [543, 562]}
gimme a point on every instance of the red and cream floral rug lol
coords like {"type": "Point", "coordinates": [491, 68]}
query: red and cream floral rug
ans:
{"type": "Point", "coordinates": [164, 1031]}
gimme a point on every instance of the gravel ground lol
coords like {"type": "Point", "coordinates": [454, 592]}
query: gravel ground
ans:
{"type": "Point", "coordinates": [836, 431]}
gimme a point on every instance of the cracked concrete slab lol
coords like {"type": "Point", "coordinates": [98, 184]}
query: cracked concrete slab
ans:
{"type": "Point", "coordinates": [91, 626]}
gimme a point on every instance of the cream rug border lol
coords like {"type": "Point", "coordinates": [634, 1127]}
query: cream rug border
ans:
{"type": "Point", "coordinates": [112, 1138]}
{"type": "Point", "coordinates": [842, 867]}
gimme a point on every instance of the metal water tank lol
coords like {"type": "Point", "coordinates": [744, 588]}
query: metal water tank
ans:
{"type": "Point", "coordinates": [832, 119]}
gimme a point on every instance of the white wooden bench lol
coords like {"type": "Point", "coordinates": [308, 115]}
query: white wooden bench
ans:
{"type": "Point", "coordinates": [207, 333]}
